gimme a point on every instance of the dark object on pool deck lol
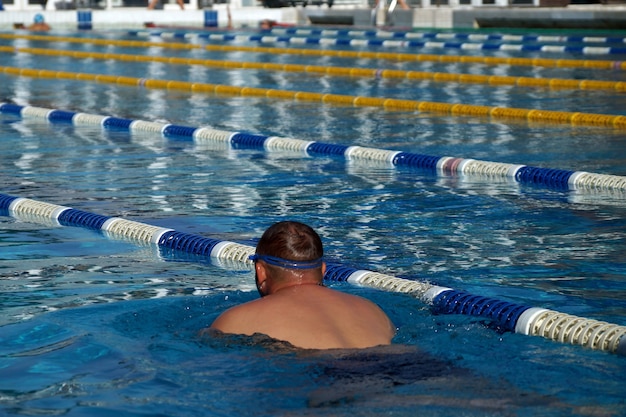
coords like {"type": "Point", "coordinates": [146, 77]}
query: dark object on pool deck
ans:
{"type": "Point", "coordinates": [550, 16]}
{"type": "Point", "coordinates": [331, 20]}
{"type": "Point", "coordinates": [274, 4]}
{"type": "Point", "coordinates": [547, 23]}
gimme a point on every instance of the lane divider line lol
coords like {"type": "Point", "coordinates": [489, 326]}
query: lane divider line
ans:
{"type": "Point", "coordinates": [495, 113]}
{"type": "Point", "coordinates": [507, 316]}
{"type": "Point", "coordinates": [392, 56]}
{"type": "Point", "coordinates": [492, 80]}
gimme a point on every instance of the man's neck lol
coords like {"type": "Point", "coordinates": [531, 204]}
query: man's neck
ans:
{"type": "Point", "coordinates": [295, 285]}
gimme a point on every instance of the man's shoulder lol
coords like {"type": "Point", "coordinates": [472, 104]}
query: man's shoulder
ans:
{"type": "Point", "coordinates": [236, 316]}
{"type": "Point", "coordinates": [246, 308]}
{"type": "Point", "coordinates": [356, 299]}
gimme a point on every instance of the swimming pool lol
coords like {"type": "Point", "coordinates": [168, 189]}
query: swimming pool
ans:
{"type": "Point", "coordinates": [93, 325]}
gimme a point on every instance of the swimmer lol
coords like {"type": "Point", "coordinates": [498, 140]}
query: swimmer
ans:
{"type": "Point", "coordinates": [267, 24]}
{"type": "Point", "coordinates": [294, 306]}
{"type": "Point", "coordinates": [39, 25]}
{"type": "Point", "coordinates": [152, 4]}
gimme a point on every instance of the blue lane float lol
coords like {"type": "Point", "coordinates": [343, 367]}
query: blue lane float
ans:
{"type": "Point", "coordinates": [269, 38]}
{"type": "Point", "coordinates": [474, 37]}
{"type": "Point", "coordinates": [507, 316]}
{"type": "Point", "coordinates": [444, 165]}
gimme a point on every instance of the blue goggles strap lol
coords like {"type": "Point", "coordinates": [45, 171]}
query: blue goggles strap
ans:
{"type": "Point", "coordinates": [286, 263]}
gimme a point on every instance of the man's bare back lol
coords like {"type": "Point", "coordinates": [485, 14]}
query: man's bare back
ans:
{"type": "Point", "coordinates": [312, 317]}
{"type": "Point", "coordinates": [295, 307]}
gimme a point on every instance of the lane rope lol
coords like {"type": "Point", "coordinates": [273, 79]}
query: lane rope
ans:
{"type": "Point", "coordinates": [392, 56]}
{"type": "Point", "coordinates": [384, 42]}
{"type": "Point", "coordinates": [476, 37]}
{"type": "Point", "coordinates": [495, 113]}
{"type": "Point", "coordinates": [493, 80]}
{"type": "Point", "coordinates": [443, 165]}
{"type": "Point", "coordinates": [508, 317]}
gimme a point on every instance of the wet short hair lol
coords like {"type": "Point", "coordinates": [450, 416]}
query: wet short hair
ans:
{"type": "Point", "coordinates": [291, 240]}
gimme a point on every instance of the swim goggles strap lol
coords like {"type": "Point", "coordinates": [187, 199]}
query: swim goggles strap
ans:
{"type": "Point", "coordinates": [286, 263]}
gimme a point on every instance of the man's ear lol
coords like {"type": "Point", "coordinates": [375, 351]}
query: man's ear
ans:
{"type": "Point", "coordinates": [261, 272]}
{"type": "Point", "coordinates": [323, 268]}
{"type": "Point", "coordinates": [260, 277]}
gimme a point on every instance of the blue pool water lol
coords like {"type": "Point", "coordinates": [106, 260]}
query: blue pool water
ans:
{"type": "Point", "coordinates": [95, 326]}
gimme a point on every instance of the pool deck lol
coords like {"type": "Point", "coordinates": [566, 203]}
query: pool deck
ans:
{"type": "Point", "coordinates": [597, 16]}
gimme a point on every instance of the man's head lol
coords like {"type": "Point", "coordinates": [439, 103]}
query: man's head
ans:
{"type": "Point", "coordinates": [289, 253]}
{"type": "Point", "coordinates": [266, 24]}
{"type": "Point", "coordinates": [291, 240]}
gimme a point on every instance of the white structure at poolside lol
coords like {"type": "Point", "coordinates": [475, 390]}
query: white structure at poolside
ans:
{"type": "Point", "coordinates": [131, 14]}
